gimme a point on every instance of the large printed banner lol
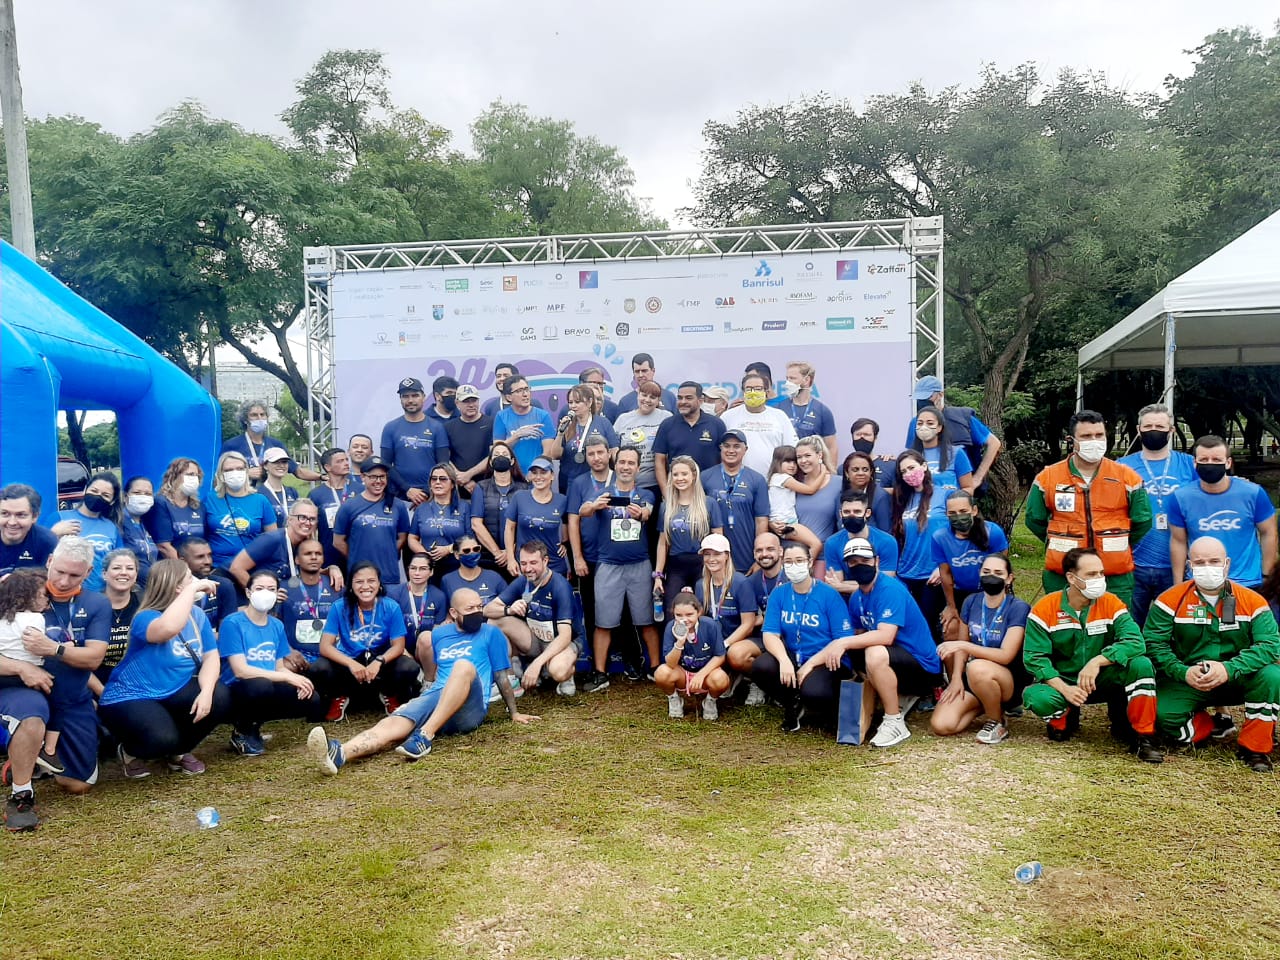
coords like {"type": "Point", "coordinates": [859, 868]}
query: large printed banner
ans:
{"type": "Point", "coordinates": [849, 314]}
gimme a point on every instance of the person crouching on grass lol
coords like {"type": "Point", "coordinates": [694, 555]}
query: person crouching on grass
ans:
{"type": "Point", "coordinates": [469, 654]}
{"type": "Point", "coordinates": [692, 659]}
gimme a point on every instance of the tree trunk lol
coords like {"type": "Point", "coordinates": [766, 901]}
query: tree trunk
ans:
{"type": "Point", "coordinates": [75, 436]}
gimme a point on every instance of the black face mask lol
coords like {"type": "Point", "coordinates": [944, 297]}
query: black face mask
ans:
{"type": "Point", "coordinates": [450, 404]}
{"type": "Point", "coordinates": [854, 525]}
{"type": "Point", "coordinates": [1154, 439]}
{"type": "Point", "coordinates": [471, 622]}
{"type": "Point", "coordinates": [864, 446]}
{"type": "Point", "coordinates": [862, 573]}
{"type": "Point", "coordinates": [1208, 472]}
{"type": "Point", "coordinates": [97, 503]}
{"type": "Point", "coordinates": [992, 585]}
{"type": "Point", "coordinates": [500, 464]}
{"type": "Point", "coordinates": [961, 524]}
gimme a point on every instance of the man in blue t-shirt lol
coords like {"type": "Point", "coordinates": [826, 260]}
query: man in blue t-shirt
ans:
{"type": "Point", "coordinates": [528, 430]}
{"type": "Point", "coordinates": [412, 444]}
{"type": "Point", "coordinates": [1236, 511]}
{"type": "Point", "coordinates": [23, 543]}
{"type": "Point", "coordinates": [306, 604]}
{"type": "Point", "coordinates": [892, 643]}
{"type": "Point", "coordinates": [373, 526]}
{"type": "Point", "coordinates": [809, 415]}
{"type": "Point", "coordinates": [803, 616]}
{"type": "Point", "coordinates": [1163, 471]}
{"type": "Point", "coordinates": [743, 496]}
{"type": "Point", "coordinates": [642, 371]}
{"type": "Point", "coordinates": [469, 654]}
{"type": "Point", "coordinates": [855, 516]}
{"type": "Point", "coordinates": [536, 613]}
{"type": "Point", "coordinates": [275, 551]}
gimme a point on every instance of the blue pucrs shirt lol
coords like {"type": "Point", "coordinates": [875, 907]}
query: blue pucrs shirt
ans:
{"type": "Point", "coordinates": [889, 601]}
{"type": "Point", "coordinates": [706, 644]}
{"type": "Point", "coordinates": [807, 622]}
{"type": "Point", "coordinates": [1232, 516]}
{"type": "Point", "coordinates": [371, 632]}
{"type": "Point", "coordinates": [154, 671]}
{"type": "Point", "coordinates": [261, 646]}
{"type": "Point", "coordinates": [742, 499]}
{"type": "Point", "coordinates": [963, 557]}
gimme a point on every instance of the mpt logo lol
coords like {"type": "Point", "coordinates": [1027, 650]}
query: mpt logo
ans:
{"type": "Point", "coordinates": [1222, 520]}
{"type": "Point", "coordinates": [764, 270]}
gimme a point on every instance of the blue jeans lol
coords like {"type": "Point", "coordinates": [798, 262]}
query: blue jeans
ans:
{"type": "Point", "coordinates": [1148, 583]}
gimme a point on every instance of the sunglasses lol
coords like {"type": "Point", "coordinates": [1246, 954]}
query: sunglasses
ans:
{"type": "Point", "coordinates": [440, 479]}
{"type": "Point", "coordinates": [468, 551]}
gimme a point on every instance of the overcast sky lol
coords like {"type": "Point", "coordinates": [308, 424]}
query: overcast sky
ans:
{"type": "Point", "coordinates": [643, 76]}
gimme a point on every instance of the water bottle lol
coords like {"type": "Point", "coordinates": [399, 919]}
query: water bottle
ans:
{"type": "Point", "coordinates": [208, 818]}
{"type": "Point", "coordinates": [659, 613]}
{"type": "Point", "coordinates": [1028, 872]}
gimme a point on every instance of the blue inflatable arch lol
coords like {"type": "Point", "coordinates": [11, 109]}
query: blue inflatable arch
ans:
{"type": "Point", "coordinates": [59, 352]}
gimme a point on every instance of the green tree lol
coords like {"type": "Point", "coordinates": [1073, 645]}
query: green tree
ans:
{"type": "Point", "coordinates": [339, 103]}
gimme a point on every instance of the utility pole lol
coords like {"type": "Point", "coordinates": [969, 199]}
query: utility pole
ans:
{"type": "Point", "coordinates": [15, 135]}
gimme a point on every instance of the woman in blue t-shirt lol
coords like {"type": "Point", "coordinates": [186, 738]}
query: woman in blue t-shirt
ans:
{"type": "Point", "coordinates": [177, 513]}
{"type": "Point", "coordinates": [917, 513]}
{"type": "Point", "coordinates": [139, 500]}
{"type": "Point", "coordinates": [440, 520]}
{"type": "Point", "coordinates": [692, 659]}
{"type": "Point", "coordinates": [164, 698]}
{"type": "Point", "coordinates": [263, 673]}
{"type": "Point", "coordinates": [537, 514]}
{"type": "Point", "coordinates": [688, 516]}
{"type": "Point", "coordinates": [948, 463]}
{"type": "Point", "coordinates": [236, 513]}
{"type": "Point", "coordinates": [487, 583]}
{"type": "Point", "coordinates": [958, 551]}
{"type": "Point", "coordinates": [97, 519]}
{"type": "Point", "coordinates": [985, 667]}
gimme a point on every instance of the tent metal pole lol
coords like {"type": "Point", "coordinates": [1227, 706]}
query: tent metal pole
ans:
{"type": "Point", "coordinates": [1079, 391]}
{"type": "Point", "coordinates": [1170, 356]}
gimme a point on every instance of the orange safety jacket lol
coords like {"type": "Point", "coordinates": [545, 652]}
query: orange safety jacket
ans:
{"type": "Point", "coordinates": [1094, 515]}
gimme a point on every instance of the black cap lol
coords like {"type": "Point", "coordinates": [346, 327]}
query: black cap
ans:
{"type": "Point", "coordinates": [374, 463]}
{"type": "Point", "coordinates": [734, 435]}
{"type": "Point", "coordinates": [410, 385]}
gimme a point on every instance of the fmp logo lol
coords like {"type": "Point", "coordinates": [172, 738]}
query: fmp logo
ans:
{"type": "Point", "coordinates": [510, 284]}
{"type": "Point", "coordinates": [846, 269]}
{"type": "Point", "coordinates": [588, 279]}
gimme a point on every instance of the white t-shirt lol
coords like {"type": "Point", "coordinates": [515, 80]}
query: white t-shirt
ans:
{"type": "Point", "coordinates": [11, 636]}
{"type": "Point", "coordinates": [765, 430]}
{"type": "Point", "coordinates": [634, 429]}
{"type": "Point", "coordinates": [782, 502]}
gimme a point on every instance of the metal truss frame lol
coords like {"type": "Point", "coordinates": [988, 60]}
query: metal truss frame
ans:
{"type": "Point", "coordinates": [920, 236]}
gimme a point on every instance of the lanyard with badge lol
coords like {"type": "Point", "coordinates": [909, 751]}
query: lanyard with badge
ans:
{"type": "Point", "coordinates": [808, 414]}
{"type": "Point", "coordinates": [994, 621]}
{"type": "Point", "coordinates": [66, 628]}
{"type": "Point", "coordinates": [1161, 518]}
{"type": "Point", "coordinates": [730, 484]}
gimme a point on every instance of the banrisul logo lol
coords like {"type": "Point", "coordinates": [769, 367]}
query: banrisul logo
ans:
{"type": "Point", "coordinates": [763, 277]}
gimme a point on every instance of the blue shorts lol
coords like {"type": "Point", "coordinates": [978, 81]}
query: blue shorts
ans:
{"type": "Point", "coordinates": [21, 703]}
{"type": "Point", "coordinates": [77, 725]}
{"type": "Point", "coordinates": [469, 716]}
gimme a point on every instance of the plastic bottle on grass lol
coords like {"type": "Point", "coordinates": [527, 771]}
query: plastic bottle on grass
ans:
{"type": "Point", "coordinates": [1028, 872]}
{"type": "Point", "coordinates": [208, 818]}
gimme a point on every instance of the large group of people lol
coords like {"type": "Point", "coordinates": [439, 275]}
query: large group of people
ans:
{"type": "Point", "coordinates": [482, 553]}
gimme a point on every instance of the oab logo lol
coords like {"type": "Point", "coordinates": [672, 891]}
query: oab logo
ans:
{"type": "Point", "coordinates": [1222, 520]}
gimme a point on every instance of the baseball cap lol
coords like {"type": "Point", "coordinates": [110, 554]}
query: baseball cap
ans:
{"type": "Point", "coordinates": [926, 387]}
{"type": "Point", "coordinates": [859, 547]}
{"type": "Point", "coordinates": [715, 541]}
{"type": "Point", "coordinates": [467, 392]}
{"type": "Point", "coordinates": [541, 463]}
{"type": "Point", "coordinates": [734, 435]}
{"type": "Point", "coordinates": [716, 393]}
{"type": "Point", "coordinates": [275, 454]}
{"type": "Point", "coordinates": [374, 463]}
{"type": "Point", "coordinates": [410, 385]}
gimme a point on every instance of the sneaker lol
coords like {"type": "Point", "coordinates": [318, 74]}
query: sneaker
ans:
{"type": "Point", "coordinates": [187, 763]}
{"type": "Point", "coordinates": [755, 696]}
{"type": "Point", "coordinates": [1257, 762]}
{"type": "Point", "coordinates": [1224, 726]}
{"type": "Point", "coordinates": [50, 762]}
{"type": "Point", "coordinates": [247, 744]}
{"type": "Point", "coordinates": [337, 710]}
{"type": "Point", "coordinates": [893, 730]}
{"type": "Point", "coordinates": [1013, 712]}
{"type": "Point", "coordinates": [325, 750]}
{"type": "Point", "coordinates": [734, 684]}
{"type": "Point", "coordinates": [630, 672]}
{"type": "Point", "coordinates": [993, 731]}
{"type": "Point", "coordinates": [389, 703]}
{"type": "Point", "coordinates": [566, 688]}
{"type": "Point", "coordinates": [710, 710]}
{"type": "Point", "coordinates": [595, 682]}
{"type": "Point", "coordinates": [132, 767]}
{"type": "Point", "coordinates": [922, 704]}
{"type": "Point", "coordinates": [20, 812]}
{"type": "Point", "coordinates": [415, 746]}
{"type": "Point", "coordinates": [1148, 750]}
{"type": "Point", "coordinates": [517, 688]}
{"type": "Point", "coordinates": [675, 706]}
{"type": "Point", "coordinates": [792, 714]}
{"type": "Point", "coordinates": [909, 700]}
{"type": "Point", "coordinates": [495, 695]}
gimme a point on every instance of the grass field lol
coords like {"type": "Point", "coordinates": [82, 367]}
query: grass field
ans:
{"type": "Point", "coordinates": [607, 830]}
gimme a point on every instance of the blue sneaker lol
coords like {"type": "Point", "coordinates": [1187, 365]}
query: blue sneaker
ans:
{"type": "Point", "coordinates": [415, 747]}
{"type": "Point", "coordinates": [326, 751]}
{"type": "Point", "coordinates": [247, 744]}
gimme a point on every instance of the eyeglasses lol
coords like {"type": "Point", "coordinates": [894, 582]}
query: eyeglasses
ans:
{"type": "Point", "coordinates": [440, 479]}
{"type": "Point", "coordinates": [468, 551]}
{"type": "Point", "coordinates": [375, 478]}
{"type": "Point", "coordinates": [518, 390]}
{"type": "Point", "coordinates": [305, 518]}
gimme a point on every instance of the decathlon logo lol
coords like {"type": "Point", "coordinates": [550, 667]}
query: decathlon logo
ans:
{"type": "Point", "coordinates": [1222, 520]}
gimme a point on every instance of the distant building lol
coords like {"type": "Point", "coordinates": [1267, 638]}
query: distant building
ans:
{"type": "Point", "coordinates": [242, 382]}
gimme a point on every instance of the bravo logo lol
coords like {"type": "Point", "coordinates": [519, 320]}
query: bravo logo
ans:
{"type": "Point", "coordinates": [763, 277]}
{"type": "Point", "coordinates": [1222, 520]}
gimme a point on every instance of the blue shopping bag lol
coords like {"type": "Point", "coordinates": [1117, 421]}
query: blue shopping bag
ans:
{"type": "Point", "coordinates": [849, 718]}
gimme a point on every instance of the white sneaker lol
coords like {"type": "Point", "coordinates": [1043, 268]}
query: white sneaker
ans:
{"type": "Point", "coordinates": [755, 696]}
{"type": "Point", "coordinates": [566, 688]}
{"type": "Point", "coordinates": [675, 706]}
{"type": "Point", "coordinates": [893, 730]}
{"type": "Point", "coordinates": [993, 731]}
{"type": "Point", "coordinates": [495, 695]}
{"type": "Point", "coordinates": [710, 710]}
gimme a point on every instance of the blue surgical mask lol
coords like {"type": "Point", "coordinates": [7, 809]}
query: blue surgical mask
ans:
{"type": "Point", "coordinates": [470, 560]}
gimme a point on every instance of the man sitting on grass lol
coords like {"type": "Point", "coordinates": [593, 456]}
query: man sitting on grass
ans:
{"type": "Point", "coordinates": [468, 652]}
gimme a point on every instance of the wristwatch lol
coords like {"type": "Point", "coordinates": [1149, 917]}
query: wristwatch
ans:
{"type": "Point", "coordinates": [61, 649]}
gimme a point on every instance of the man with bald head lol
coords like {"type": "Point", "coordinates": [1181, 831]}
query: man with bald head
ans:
{"type": "Point", "coordinates": [1215, 643]}
{"type": "Point", "coordinates": [470, 653]}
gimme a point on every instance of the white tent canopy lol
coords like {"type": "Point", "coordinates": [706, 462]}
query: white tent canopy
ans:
{"type": "Point", "coordinates": [1224, 311]}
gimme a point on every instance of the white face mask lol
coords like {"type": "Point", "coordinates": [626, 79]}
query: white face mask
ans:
{"type": "Point", "coordinates": [709, 409]}
{"type": "Point", "coordinates": [1090, 451]}
{"type": "Point", "coordinates": [235, 479]}
{"type": "Point", "coordinates": [926, 433]}
{"type": "Point", "coordinates": [139, 503]}
{"type": "Point", "coordinates": [262, 600]}
{"type": "Point", "coordinates": [1093, 589]}
{"type": "Point", "coordinates": [796, 572]}
{"type": "Point", "coordinates": [190, 486]}
{"type": "Point", "coordinates": [1209, 579]}
{"type": "Point", "coordinates": [788, 389]}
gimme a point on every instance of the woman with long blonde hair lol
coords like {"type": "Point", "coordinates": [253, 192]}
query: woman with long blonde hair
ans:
{"type": "Point", "coordinates": [688, 516]}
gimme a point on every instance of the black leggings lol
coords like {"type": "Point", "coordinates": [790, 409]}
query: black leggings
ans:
{"type": "Point", "coordinates": [819, 694]}
{"type": "Point", "coordinates": [683, 571]}
{"type": "Point", "coordinates": [255, 700]}
{"type": "Point", "coordinates": [398, 679]}
{"type": "Point", "coordinates": [151, 729]}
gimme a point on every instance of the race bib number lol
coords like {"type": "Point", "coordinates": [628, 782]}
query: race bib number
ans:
{"type": "Point", "coordinates": [307, 634]}
{"type": "Point", "coordinates": [1064, 501]}
{"type": "Point", "coordinates": [1110, 544]}
{"type": "Point", "coordinates": [540, 629]}
{"type": "Point", "coordinates": [624, 530]}
{"type": "Point", "coordinates": [331, 514]}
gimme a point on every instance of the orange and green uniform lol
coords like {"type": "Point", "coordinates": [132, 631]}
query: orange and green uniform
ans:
{"type": "Point", "coordinates": [1183, 629]}
{"type": "Point", "coordinates": [1058, 643]}
{"type": "Point", "coordinates": [1109, 513]}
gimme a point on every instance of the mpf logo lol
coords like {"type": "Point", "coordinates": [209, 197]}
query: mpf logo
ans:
{"type": "Point", "coordinates": [1222, 520]}
{"type": "Point", "coordinates": [846, 269]}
